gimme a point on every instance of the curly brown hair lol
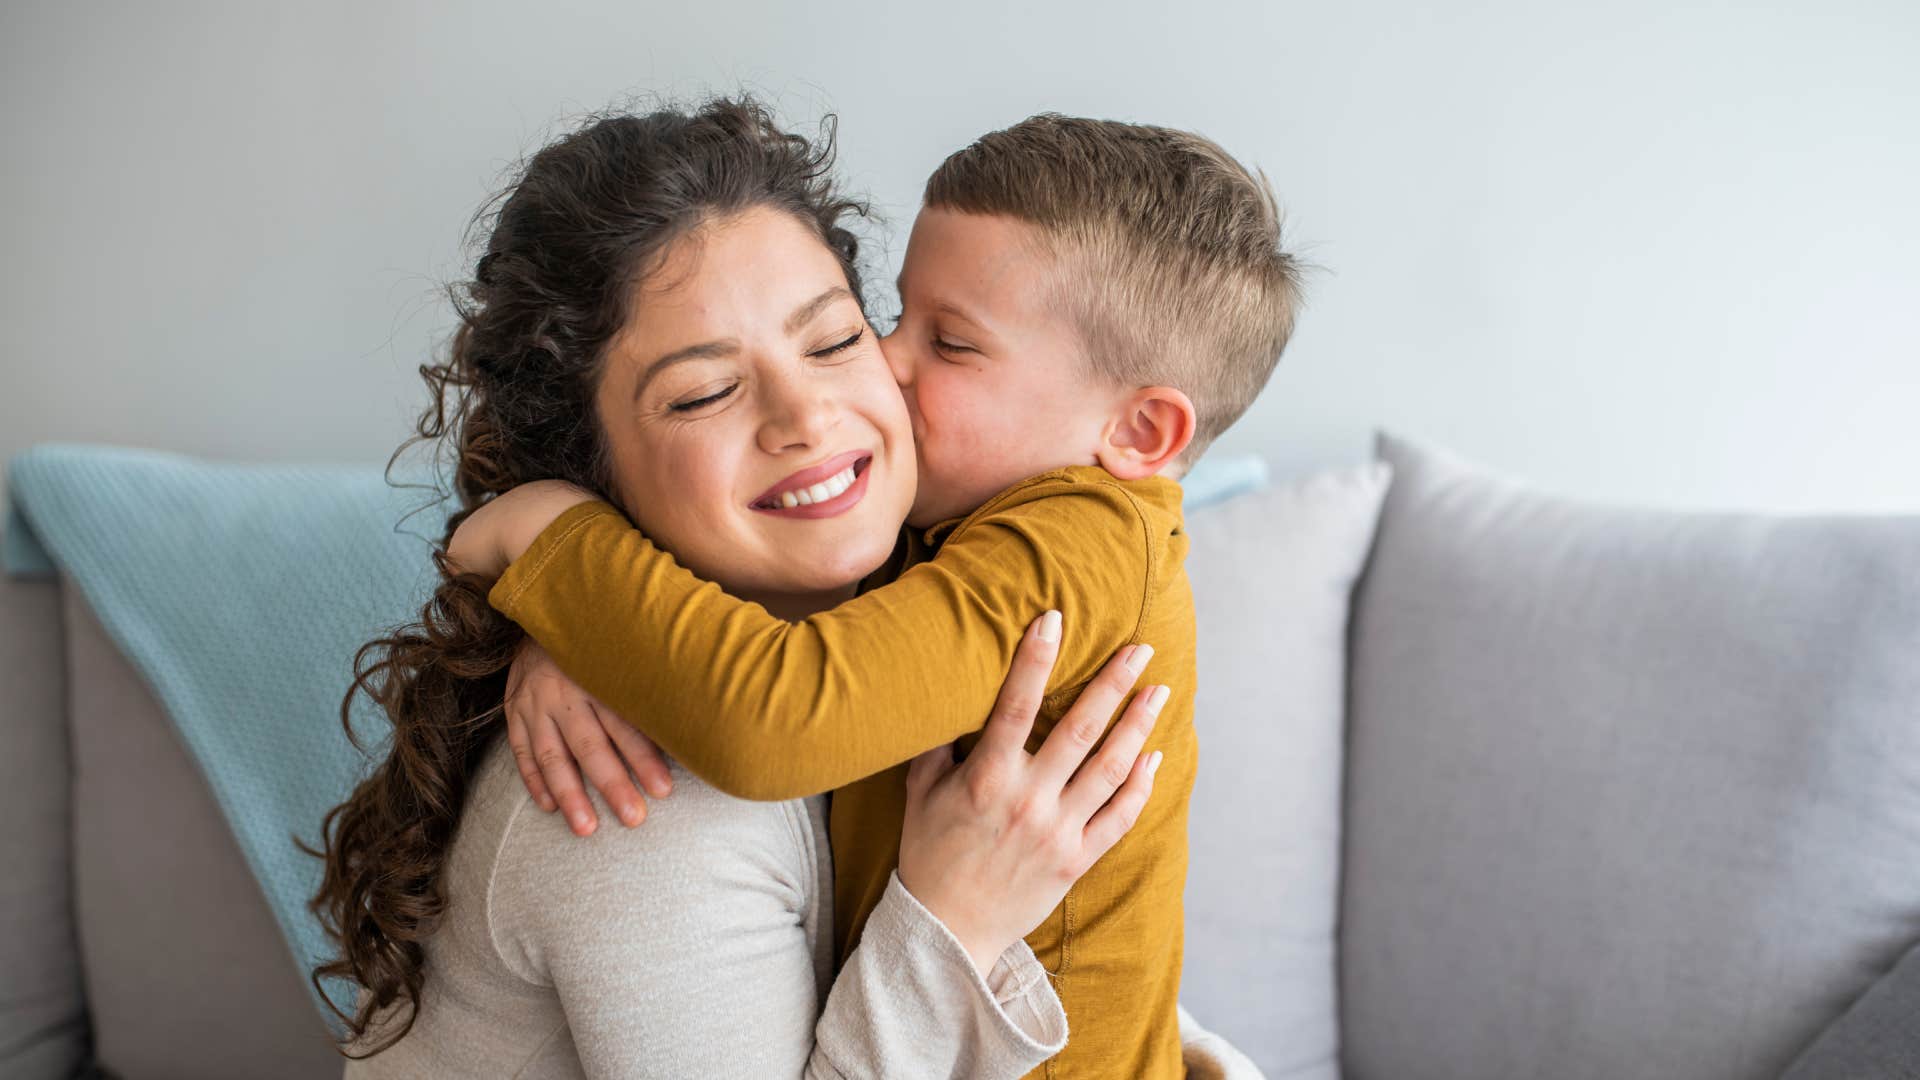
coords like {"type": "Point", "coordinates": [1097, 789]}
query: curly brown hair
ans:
{"type": "Point", "coordinates": [579, 225]}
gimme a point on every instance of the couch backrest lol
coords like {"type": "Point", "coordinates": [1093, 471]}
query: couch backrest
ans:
{"type": "Point", "coordinates": [1629, 793]}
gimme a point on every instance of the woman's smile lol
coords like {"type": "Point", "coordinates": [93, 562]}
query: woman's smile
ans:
{"type": "Point", "coordinates": [826, 490]}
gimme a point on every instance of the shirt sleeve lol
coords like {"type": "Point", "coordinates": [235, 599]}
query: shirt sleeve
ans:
{"type": "Point", "coordinates": [766, 709]}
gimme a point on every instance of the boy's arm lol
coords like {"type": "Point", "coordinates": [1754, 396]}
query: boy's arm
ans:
{"type": "Point", "coordinates": [491, 537]}
{"type": "Point", "coordinates": [766, 709]}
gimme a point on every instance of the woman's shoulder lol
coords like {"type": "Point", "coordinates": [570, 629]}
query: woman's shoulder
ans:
{"type": "Point", "coordinates": [696, 843]}
{"type": "Point", "coordinates": [500, 808]}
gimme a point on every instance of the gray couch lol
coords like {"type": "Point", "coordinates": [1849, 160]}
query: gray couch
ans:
{"type": "Point", "coordinates": [1555, 790]}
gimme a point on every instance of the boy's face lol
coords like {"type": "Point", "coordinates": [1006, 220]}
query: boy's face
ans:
{"type": "Point", "coordinates": [997, 385]}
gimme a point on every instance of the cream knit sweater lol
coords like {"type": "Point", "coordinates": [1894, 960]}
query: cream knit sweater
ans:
{"type": "Point", "coordinates": [696, 945]}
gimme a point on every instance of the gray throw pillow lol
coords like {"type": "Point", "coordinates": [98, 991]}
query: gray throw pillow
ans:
{"type": "Point", "coordinates": [1272, 577]}
{"type": "Point", "coordinates": [1630, 793]}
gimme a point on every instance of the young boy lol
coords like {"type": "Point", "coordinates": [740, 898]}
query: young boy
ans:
{"type": "Point", "coordinates": [1085, 306]}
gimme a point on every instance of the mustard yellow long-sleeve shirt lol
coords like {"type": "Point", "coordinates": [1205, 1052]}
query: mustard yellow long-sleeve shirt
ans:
{"type": "Point", "coordinates": [766, 709]}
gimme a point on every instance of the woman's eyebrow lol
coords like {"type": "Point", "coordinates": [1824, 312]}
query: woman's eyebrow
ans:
{"type": "Point", "coordinates": [706, 350]}
{"type": "Point", "coordinates": [805, 312]}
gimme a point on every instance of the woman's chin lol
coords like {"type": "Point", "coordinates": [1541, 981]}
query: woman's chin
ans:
{"type": "Point", "coordinates": [835, 569]}
{"type": "Point", "coordinates": [835, 553]}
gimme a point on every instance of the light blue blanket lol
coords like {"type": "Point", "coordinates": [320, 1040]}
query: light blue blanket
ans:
{"type": "Point", "coordinates": [241, 592]}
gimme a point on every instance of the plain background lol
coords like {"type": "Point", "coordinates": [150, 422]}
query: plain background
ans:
{"type": "Point", "coordinates": [1655, 251]}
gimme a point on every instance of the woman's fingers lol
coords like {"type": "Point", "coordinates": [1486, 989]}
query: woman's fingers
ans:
{"type": "Point", "coordinates": [586, 736]}
{"type": "Point", "coordinates": [1103, 773]}
{"type": "Point", "coordinates": [562, 776]}
{"type": "Point", "coordinates": [522, 746]}
{"type": "Point", "coordinates": [1117, 817]}
{"type": "Point", "coordinates": [1026, 684]}
{"type": "Point", "coordinates": [1070, 740]}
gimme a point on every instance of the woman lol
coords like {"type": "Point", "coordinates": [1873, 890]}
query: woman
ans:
{"type": "Point", "coordinates": [485, 937]}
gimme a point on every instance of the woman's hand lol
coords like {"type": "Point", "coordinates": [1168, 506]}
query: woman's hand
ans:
{"type": "Point", "coordinates": [991, 845]}
{"type": "Point", "coordinates": [505, 526]}
{"type": "Point", "coordinates": [557, 730]}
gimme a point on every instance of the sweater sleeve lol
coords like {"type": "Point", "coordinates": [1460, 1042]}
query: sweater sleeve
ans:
{"type": "Point", "coordinates": [910, 1002]}
{"type": "Point", "coordinates": [766, 709]}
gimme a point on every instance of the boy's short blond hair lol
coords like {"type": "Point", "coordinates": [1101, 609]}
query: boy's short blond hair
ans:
{"type": "Point", "coordinates": [1167, 251]}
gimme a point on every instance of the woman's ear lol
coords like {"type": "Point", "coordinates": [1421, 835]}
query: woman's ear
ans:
{"type": "Point", "coordinates": [1147, 433]}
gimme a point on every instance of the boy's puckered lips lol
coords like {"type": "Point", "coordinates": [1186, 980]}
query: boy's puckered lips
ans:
{"type": "Point", "coordinates": [822, 490]}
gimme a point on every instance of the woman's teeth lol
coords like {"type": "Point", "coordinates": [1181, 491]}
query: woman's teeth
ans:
{"type": "Point", "coordinates": [826, 489]}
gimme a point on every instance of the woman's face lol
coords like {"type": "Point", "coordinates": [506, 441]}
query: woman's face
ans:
{"type": "Point", "coordinates": [744, 394]}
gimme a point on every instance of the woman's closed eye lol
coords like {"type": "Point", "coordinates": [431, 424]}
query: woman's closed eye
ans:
{"type": "Point", "coordinates": [840, 346]}
{"type": "Point", "coordinates": [702, 402]}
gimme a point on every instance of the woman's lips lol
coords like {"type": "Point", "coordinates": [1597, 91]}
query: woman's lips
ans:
{"type": "Point", "coordinates": [827, 485]}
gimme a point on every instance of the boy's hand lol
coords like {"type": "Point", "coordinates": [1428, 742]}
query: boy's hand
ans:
{"type": "Point", "coordinates": [505, 526]}
{"type": "Point", "coordinates": [552, 724]}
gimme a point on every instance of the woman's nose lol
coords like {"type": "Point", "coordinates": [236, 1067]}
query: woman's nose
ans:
{"type": "Point", "coordinates": [802, 417]}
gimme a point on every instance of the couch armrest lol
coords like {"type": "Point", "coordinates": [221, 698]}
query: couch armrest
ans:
{"type": "Point", "coordinates": [43, 1014]}
{"type": "Point", "coordinates": [186, 973]}
{"type": "Point", "coordinates": [1878, 1036]}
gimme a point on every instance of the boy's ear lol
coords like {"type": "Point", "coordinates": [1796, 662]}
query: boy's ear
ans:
{"type": "Point", "coordinates": [1148, 431]}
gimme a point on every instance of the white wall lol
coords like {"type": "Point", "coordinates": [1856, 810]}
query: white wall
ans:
{"type": "Point", "coordinates": [1642, 250]}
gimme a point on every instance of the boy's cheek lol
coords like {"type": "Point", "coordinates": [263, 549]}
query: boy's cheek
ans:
{"type": "Point", "coordinates": [941, 403]}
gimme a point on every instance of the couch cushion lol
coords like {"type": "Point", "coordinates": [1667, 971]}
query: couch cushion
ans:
{"type": "Point", "coordinates": [1272, 575]}
{"type": "Point", "coordinates": [1630, 793]}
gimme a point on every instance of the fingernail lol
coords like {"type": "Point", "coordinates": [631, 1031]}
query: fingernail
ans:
{"type": "Point", "coordinates": [580, 823]}
{"type": "Point", "coordinates": [630, 814]}
{"type": "Point", "coordinates": [1153, 763]}
{"type": "Point", "coordinates": [1050, 627]}
{"type": "Point", "coordinates": [1137, 659]}
{"type": "Point", "coordinates": [1157, 699]}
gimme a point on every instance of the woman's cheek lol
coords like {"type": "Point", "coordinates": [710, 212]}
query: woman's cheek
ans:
{"type": "Point", "coordinates": [689, 482]}
{"type": "Point", "coordinates": [884, 405]}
